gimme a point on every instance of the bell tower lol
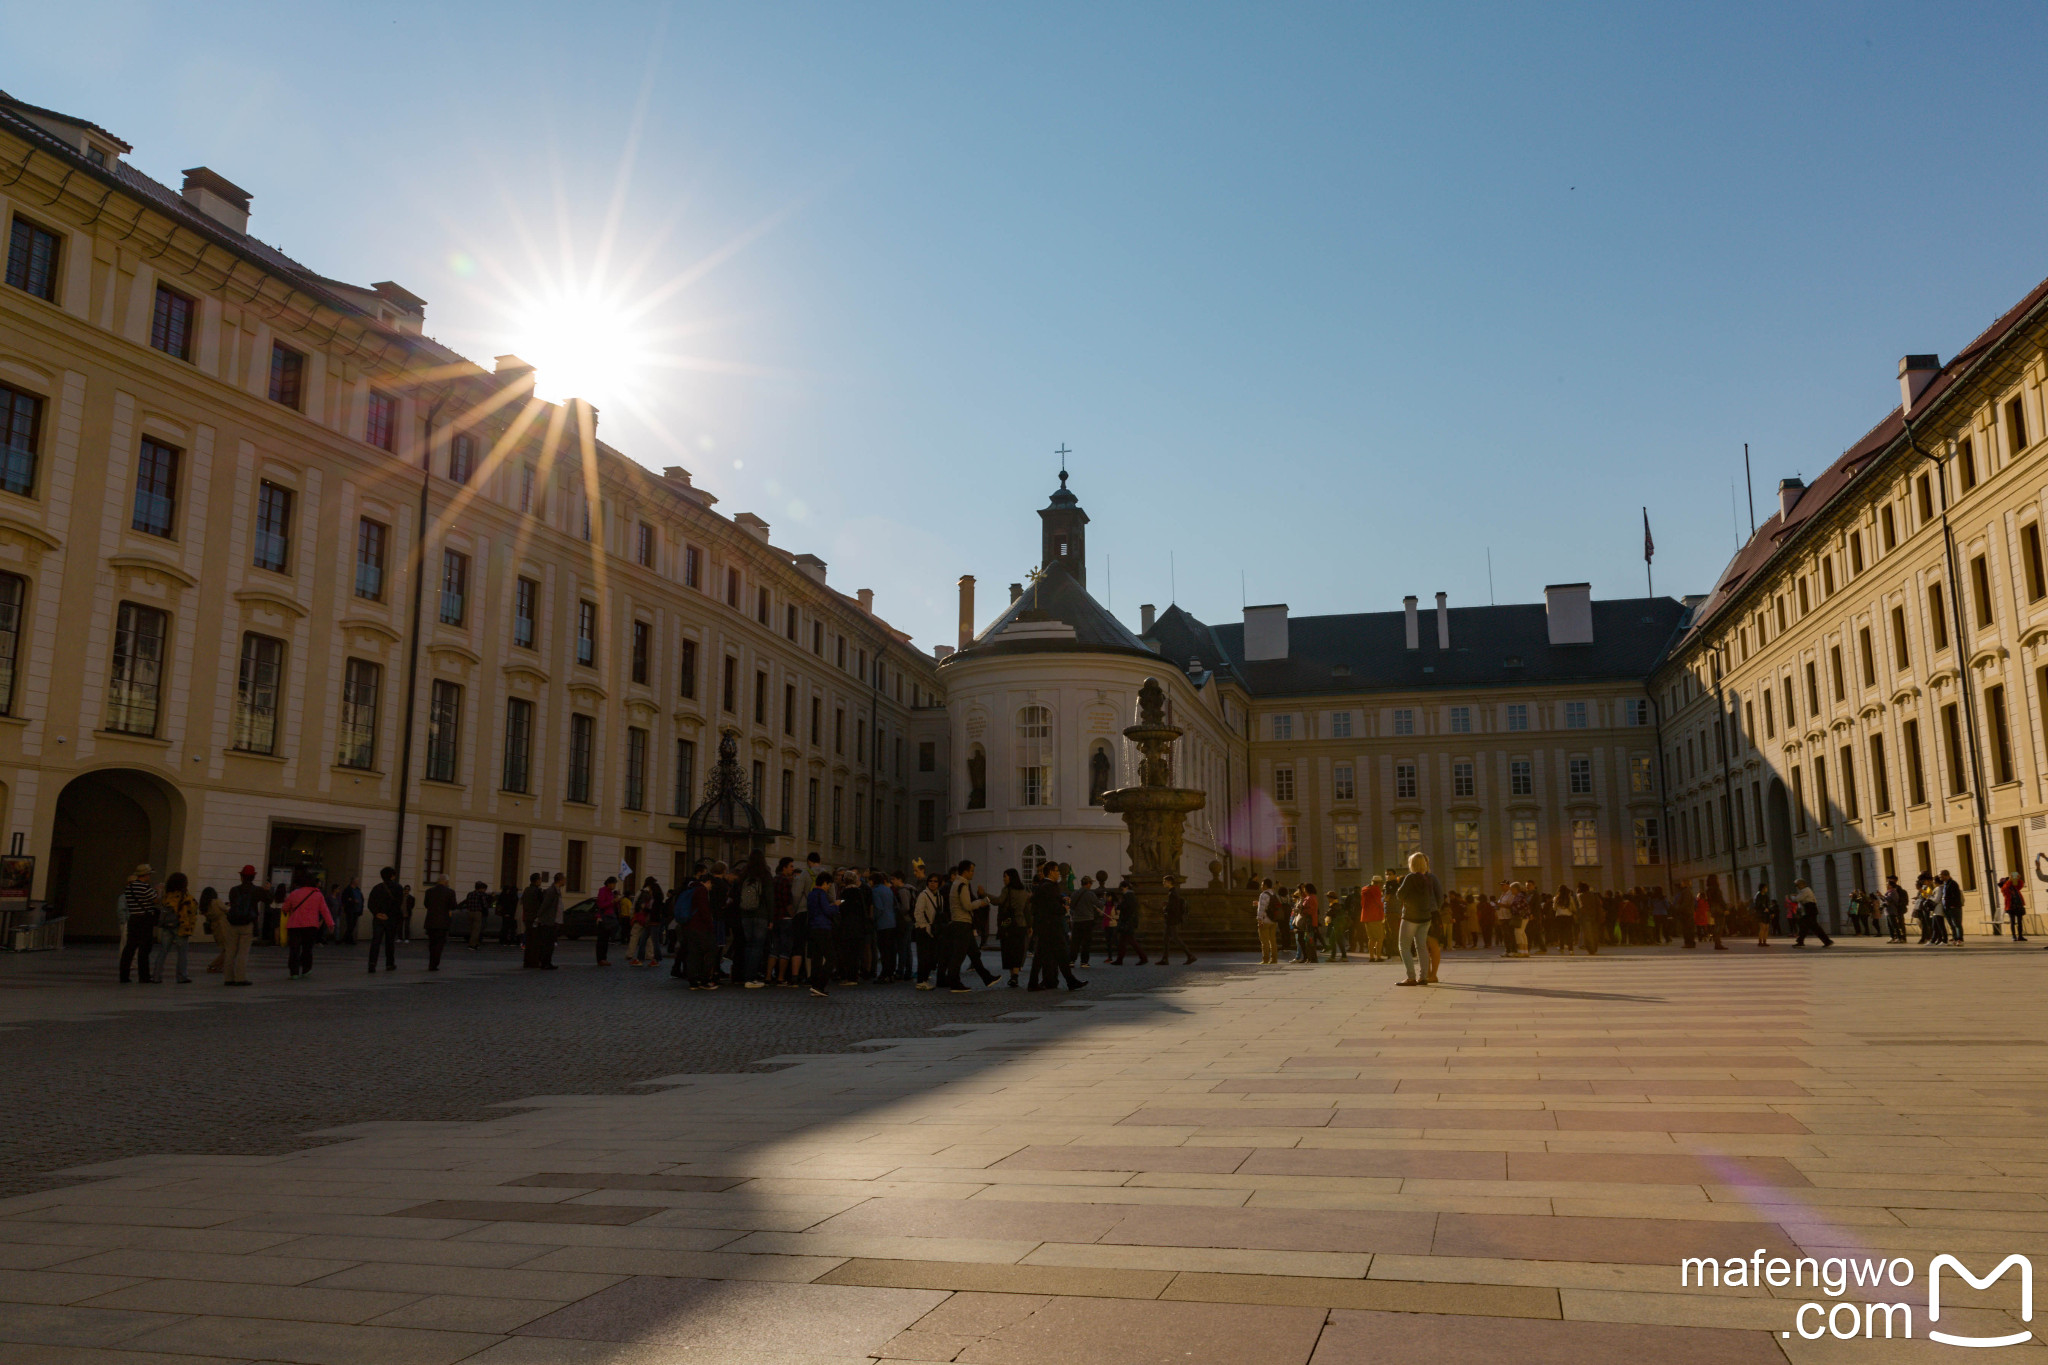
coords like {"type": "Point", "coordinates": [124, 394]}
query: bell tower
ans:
{"type": "Point", "coordinates": [1064, 530]}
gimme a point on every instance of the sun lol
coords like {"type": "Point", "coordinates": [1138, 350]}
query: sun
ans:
{"type": "Point", "coordinates": [583, 343]}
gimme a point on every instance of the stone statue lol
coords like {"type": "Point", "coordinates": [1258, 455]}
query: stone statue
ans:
{"type": "Point", "coordinates": [977, 779]}
{"type": "Point", "coordinates": [1099, 776]}
{"type": "Point", "coordinates": [1154, 811]}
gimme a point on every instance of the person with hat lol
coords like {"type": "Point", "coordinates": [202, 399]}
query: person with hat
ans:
{"type": "Point", "coordinates": [139, 898]}
{"type": "Point", "coordinates": [238, 924]}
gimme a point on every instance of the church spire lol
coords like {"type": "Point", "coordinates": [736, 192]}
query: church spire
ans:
{"type": "Point", "coordinates": [1064, 533]}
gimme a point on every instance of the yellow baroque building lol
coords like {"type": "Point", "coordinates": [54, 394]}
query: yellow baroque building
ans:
{"type": "Point", "coordinates": [283, 580]}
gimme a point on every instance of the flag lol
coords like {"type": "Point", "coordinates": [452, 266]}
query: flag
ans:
{"type": "Point", "coordinates": [1649, 545]}
{"type": "Point", "coordinates": [625, 870]}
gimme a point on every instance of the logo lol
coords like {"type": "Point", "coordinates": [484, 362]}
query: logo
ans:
{"type": "Point", "coordinates": [1846, 1320]}
{"type": "Point", "coordinates": [1934, 1298]}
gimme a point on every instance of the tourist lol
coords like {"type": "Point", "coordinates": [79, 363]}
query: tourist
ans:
{"type": "Point", "coordinates": [1172, 916]}
{"type": "Point", "coordinates": [822, 916]}
{"type": "Point", "coordinates": [177, 921]}
{"type": "Point", "coordinates": [964, 901]}
{"type": "Point", "coordinates": [1716, 912]}
{"type": "Point", "coordinates": [926, 922]}
{"type": "Point", "coordinates": [604, 921]}
{"type": "Point", "coordinates": [439, 919]}
{"type": "Point", "coordinates": [643, 931]}
{"type": "Point", "coordinates": [547, 921]}
{"type": "Point", "coordinates": [529, 914]}
{"type": "Point", "coordinates": [1342, 915]}
{"type": "Point", "coordinates": [1013, 922]}
{"type": "Point", "coordinates": [1266, 916]}
{"type": "Point", "coordinates": [1049, 933]}
{"type": "Point", "coordinates": [1489, 921]}
{"type": "Point", "coordinates": [1894, 910]}
{"type": "Point", "coordinates": [1809, 916]}
{"type": "Point", "coordinates": [1763, 905]}
{"type": "Point", "coordinates": [2013, 896]}
{"type": "Point", "coordinates": [1564, 929]}
{"type": "Point", "coordinates": [753, 900]}
{"type": "Point", "coordinates": [306, 917]}
{"type": "Point", "coordinates": [1420, 896]}
{"type": "Point", "coordinates": [1591, 917]}
{"type": "Point", "coordinates": [1372, 917]}
{"type": "Point", "coordinates": [386, 905]}
{"type": "Point", "coordinates": [351, 909]}
{"type": "Point", "coordinates": [1123, 929]}
{"type": "Point", "coordinates": [786, 927]}
{"type": "Point", "coordinates": [508, 916]}
{"type": "Point", "coordinates": [212, 913]}
{"type": "Point", "coordinates": [238, 923]}
{"type": "Point", "coordinates": [1084, 911]}
{"type": "Point", "coordinates": [1306, 921]}
{"type": "Point", "coordinates": [1951, 893]}
{"type": "Point", "coordinates": [882, 909]}
{"type": "Point", "coordinates": [477, 906]}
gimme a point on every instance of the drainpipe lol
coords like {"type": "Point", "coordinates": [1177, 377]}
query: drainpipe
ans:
{"type": "Point", "coordinates": [412, 654]}
{"type": "Point", "coordinates": [1726, 721]}
{"type": "Point", "coordinates": [1955, 608]}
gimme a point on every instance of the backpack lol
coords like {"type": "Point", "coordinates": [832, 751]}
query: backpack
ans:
{"type": "Point", "coordinates": [241, 908]}
{"type": "Point", "coordinates": [751, 902]}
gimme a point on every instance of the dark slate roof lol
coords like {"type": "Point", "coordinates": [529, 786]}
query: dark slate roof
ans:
{"type": "Point", "coordinates": [1367, 651]}
{"type": "Point", "coordinates": [1057, 597]}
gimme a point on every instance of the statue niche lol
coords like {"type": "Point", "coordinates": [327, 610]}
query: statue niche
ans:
{"type": "Point", "coordinates": [1101, 772]}
{"type": "Point", "coordinates": [977, 779]}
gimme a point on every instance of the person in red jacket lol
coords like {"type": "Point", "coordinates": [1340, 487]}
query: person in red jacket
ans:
{"type": "Point", "coordinates": [306, 917]}
{"type": "Point", "coordinates": [1372, 918]}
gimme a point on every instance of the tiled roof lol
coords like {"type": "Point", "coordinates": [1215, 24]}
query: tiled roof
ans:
{"type": "Point", "coordinates": [1055, 598]}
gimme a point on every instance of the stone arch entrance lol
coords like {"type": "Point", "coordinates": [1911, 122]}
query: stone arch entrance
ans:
{"type": "Point", "coordinates": [107, 822]}
{"type": "Point", "coordinates": [1778, 834]}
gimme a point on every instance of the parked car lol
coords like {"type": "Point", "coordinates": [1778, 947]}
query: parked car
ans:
{"type": "Point", "coordinates": [580, 919]}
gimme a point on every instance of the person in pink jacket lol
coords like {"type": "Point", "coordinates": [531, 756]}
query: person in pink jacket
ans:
{"type": "Point", "coordinates": [305, 916]}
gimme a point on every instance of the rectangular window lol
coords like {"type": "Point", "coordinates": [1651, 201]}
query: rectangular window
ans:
{"type": "Point", "coordinates": [1286, 848]}
{"type": "Point", "coordinates": [1575, 715]}
{"type": "Point", "coordinates": [636, 768]}
{"type": "Point", "coordinates": [817, 720]}
{"type": "Point", "coordinates": [370, 538]}
{"type": "Point", "coordinates": [1888, 526]}
{"type": "Point", "coordinates": [1812, 690]}
{"type": "Point", "coordinates": [729, 690]}
{"type": "Point", "coordinates": [789, 621]}
{"type": "Point", "coordinates": [1916, 774]}
{"type": "Point", "coordinates": [1579, 774]}
{"type": "Point", "coordinates": [788, 800]}
{"type": "Point", "coordinates": [156, 488]}
{"type": "Point", "coordinates": [586, 634]}
{"type": "Point", "coordinates": [1642, 779]}
{"type": "Point", "coordinates": [927, 756]}
{"type": "Point", "coordinates": [1937, 619]}
{"type": "Point", "coordinates": [2015, 426]}
{"type": "Point", "coordinates": [1827, 576]}
{"type": "Point", "coordinates": [287, 375]}
{"type": "Point", "coordinates": [1404, 722]}
{"type": "Point", "coordinates": [1852, 808]}
{"type": "Point", "coordinates": [818, 638]}
{"type": "Point", "coordinates": [582, 746]}
{"type": "Point", "coordinates": [1798, 800]}
{"type": "Point", "coordinates": [1462, 781]}
{"type": "Point", "coordinates": [1880, 780]}
{"type": "Point", "coordinates": [461, 457]}
{"type": "Point", "coordinates": [732, 587]}
{"type": "Point", "coordinates": [838, 804]}
{"type": "Point", "coordinates": [2001, 735]}
{"type": "Point", "coordinates": [1980, 588]}
{"type": "Point", "coordinates": [1521, 777]}
{"type": "Point", "coordinates": [1855, 553]}
{"type": "Point", "coordinates": [454, 587]}
{"type": "Point", "coordinates": [380, 421]}
{"type": "Point", "coordinates": [693, 567]}
{"type": "Point", "coordinates": [444, 730]}
{"type": "Point", "coordinates": [1966, 464]}
{"type": "Point", "coordinates": [1345, 782]}
{"type": "Point", "coordinates": [21, 417]}
{"type": "Point", "coordinates": [839, 650]}
{"type": "Point", "coordinates": [518, 745]}
{"type": "Point", "coordinates": [1283, 727]}
{"type": "Point", "coordinates": [1344, 843]}
{"type": "Point", "coordinates": [1407, 838]}
{"type": "Point", "coordinates": [1649, 853]}
{"type": "Point", "coordinates": [436, 866]}
{"type": "Point", "coordinates": [575, 859]}
{"type": "Point", "coordinates": [686, 776]}
{"type": "Point", "coordinates": [643, 647]}
{"type": "Point", "coordinates": [687, 684]}
{"type": "Point", "coordinates": [1791, 715]}
{"type": "Point", "coordinates": [789, 710]}
{"type": "Point", "coordinates": [1924, 491]}
{"type": "Point", "coordinates": [760, 699]}
{"type": "Point", "coordinates": [1835, 672]}
{"type": "Point", "coordinates": [1585, 843]}
{"type": "Point", "coordinates": [12, 590]}
{"type": "Point", "coordinates": [1952, 737]}
{"type": "Point", "coordinates": [1283, 784]}
{"type": "Point", "coordinates": [1770, 716]}
{"type": "Point", "coordinates": [2030, 560]}
{"type": "Point", "coordinates": [1867, 654]}
{"type": "Point", "coordinates": [1822, 808]}
{"type": "Point", "coordinates": [1340, 725]}
{"type": "Point", "coordinates": [1901, 655]}
{"type": "Point", "coordinates": [1966, 862]}
{"type": "Point", "coordinates": [1465, 843]}
{"type": "Point", "coordinates": [1518, 716]}
{"type": "Point", "coordinates": [1779, 602]}
{"type": "Point", "coordinates": [1461, 720]}
{"type": "Point", "coordinates": [811, 809]}
{"type": "Point", "coordinates": [525, 605]}
{"type": "Point", "coordinates": [839, 730]}
{"type": "Point", "coordinates": [256, 686]}
{"type": "Point", "coordinates": [1404, 781]}
{"type": "Point", "coordinates": [1635, 711]}
{"type": "Point", "coordinates": [32, 260]}
{"type": "Point", "coordinates": [1522, 846]}
{"type": "Point", "coordinates": [643, 545]}
{"type": "Point", "coordinates": [761, 612]}
{"type": "Point", "coordinates": [273, 526]}
{"type": "Point", "coordinates": [1805, 605]}
{"type": "Point", "coordinates": [361, 681]}
{"type": "Point", "coordinates": [526, 489]}
{"type": "Point", "coordinates": [170, 329]}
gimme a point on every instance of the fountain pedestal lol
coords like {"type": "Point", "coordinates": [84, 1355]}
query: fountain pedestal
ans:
{"type": "Point", "coordinates": [1154, 811]}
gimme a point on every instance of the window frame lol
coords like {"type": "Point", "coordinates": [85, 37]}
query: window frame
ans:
{"type": "Point", "coordinates": [358, 717]}
{"type": "Point", "coordinates": [287, 383]}
{"type": "Point", "coordinates": [156, 481]}
{"type": "Point", "coordinates": [444, 731]}
{"type": "Point", "coordinates": [130, 645]}
{"type": "Point", "coordinates": [577, 781]}
{"type": "Point", "coordinates": [22, 240]}
{"type": "Point", "coordinates": [275, 504]}
{"type": "Point", "coordinates": [255, 723]}
{"type": "Point", "coordinates": [372, 536]}
{"type": "Point", "coordinates": [454, 600]}
{"type": "Point", "coordinates": [172, 316]}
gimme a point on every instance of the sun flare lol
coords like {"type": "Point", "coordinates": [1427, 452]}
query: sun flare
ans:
{"type": "Point", "coordinates": [582, 345]}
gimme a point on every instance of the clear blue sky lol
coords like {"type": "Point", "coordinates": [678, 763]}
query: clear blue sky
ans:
{"type": "Point", "coordinates": [1333, 297]}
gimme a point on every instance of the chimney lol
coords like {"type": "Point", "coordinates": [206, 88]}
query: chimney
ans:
{"type": "Point", "coordinates": [218, 198]}
{"type": "Point", "coordinates": [966, 610]}
{"type": "Point", "coordinates": [1145, 618]}
{"type": "Point", "coordinates": [1788, 497]}
{"type": "Point", "coordinates": [404, 309]}
{"type": "Point", "coordinates": [753, 525]}
{"type": "Point", "coordinates": [1414, 627]}
{"type": "Point", "coordinates": [866, 598]}
{"type": "Point", "coordinates": [1569, 610]}
{"type": "Point", "coordinates": [1265, 632]}
{"type": "Point", "coordinates": [1443, 622]}
{"type": "Point", "coordinates": [1016, 591]}
{"type": "Point", "coordinates": [1916, 372]}
{"type": "Point", "coordinates": [942, 652]}
{"type": "Point", "coordinates": [811, 567]}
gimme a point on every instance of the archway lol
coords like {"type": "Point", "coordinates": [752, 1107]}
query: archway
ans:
{"type": "Point", "coordinates": [107, 822]}
{"type": "Point", "coordinates": [1778, 835]}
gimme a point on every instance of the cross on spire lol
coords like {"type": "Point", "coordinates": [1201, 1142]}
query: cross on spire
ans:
{"type": "Point", "coordinates": [1063, 452]}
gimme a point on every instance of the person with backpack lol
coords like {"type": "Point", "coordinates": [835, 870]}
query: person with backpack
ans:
{"type": "Point", "coordinates": [755, 897]}
{"type": "Point", "coordinates": [178, 921]}
{"type": "Point", "coordinates": [306, 917]}
{"type": "Point", "coordinates": [1420, 896]}
{"type": "Point", "coordinates": [238, 927]}
{"type": "Point", "coordinates": [1951, 905]}
{"type": "Point", "coordinates": [958, 947]}
{"type": "Point", "coordinates": [697, 959]}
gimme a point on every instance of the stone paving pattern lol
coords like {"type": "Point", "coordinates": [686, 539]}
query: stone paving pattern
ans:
{"type": "Point", "coordinates": [1302, 1166]}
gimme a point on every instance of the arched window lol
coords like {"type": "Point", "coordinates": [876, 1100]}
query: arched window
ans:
{"type": "Point", "coordinates": [977, 778]}
{"type": "Point", "coordinates": [1034, 756]}
{"type": "Point", "coordinates": [1101, 773]}
{"type": "Point", "coordinates": [1031, 860]}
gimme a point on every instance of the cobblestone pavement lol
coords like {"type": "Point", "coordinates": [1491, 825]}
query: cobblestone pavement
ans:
{"type": "Point", "coordinates": [97, 1070]}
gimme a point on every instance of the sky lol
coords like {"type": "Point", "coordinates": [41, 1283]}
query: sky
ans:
{"type": "Point", "coordinates": [1331, 304]}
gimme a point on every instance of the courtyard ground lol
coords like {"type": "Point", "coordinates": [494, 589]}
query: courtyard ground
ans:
{"type": "Point", "coordinates": [1275, 1166]}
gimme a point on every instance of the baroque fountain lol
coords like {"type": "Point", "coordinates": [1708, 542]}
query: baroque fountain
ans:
{"type": "Point", "coordinates": [1153, 810]}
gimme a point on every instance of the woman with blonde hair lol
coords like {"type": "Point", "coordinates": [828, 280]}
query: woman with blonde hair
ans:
{"type": "Point", "coordinates": [1421, 896]}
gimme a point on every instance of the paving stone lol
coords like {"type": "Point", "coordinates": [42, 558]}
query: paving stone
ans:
{"type": "Point", "coordinates": [1357, 1338]}
{"type": "Point", "coordinates": [713, 1316]}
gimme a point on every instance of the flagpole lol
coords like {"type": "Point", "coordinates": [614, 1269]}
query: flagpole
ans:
{"type": "Point", "coordinates": [1649, 549]}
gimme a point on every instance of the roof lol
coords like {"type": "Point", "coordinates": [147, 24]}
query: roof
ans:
{"type": "Point", "coordinates": [1490, 647]}
{"type": "Point", "coordinates": [1055, 600]}
{"type": "Point", "coordinates": [1780, 530]}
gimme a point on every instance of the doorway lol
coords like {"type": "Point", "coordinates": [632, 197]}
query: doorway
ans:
{"type": "Point", "coordinates": [1778, 837]}
{"type": "Point", "coordinates": [510, 848]}
{"type": "Point", "coordinates": [332, 854]}
{"type": "Point", "coordinates": [107, 822]}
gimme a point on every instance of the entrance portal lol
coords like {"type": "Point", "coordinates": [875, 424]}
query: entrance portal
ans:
{"type": "Point", "coordinates": [107, 822]}
{"type": "Point", "coordinates": [331, 854]}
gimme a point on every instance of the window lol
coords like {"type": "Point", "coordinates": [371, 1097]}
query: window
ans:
{"type": "Point", "coordinates": [273, 526]}
{"type": "Point", "coordinates": [1521, 777]}
{"type": "Point", "coordinates": [444, 730]}
{"type": "Point", "coordinates": [1585, 843]}
{"type": "Point", "coordinates": [1952, 737]}
{"type": "Point", "coordinates": [729, 689]}
{"type": "Point", "coordinates": [256, 687]}
{"type": "Point", "coordinates": [817, 720]}
{"type": "Point", "coordinates": [1286, 848]}
{"type": "Point", "coordinates": [1404, 782]}
{"type": "Point", "coordinates": [575, 857]}
{"type": "Point", "coordinates": [1579, 772]}
{"type": "Point", "coordinates": [643, 545]}
{"type": "Point", "coordinates": [686, 777]}
{"type": "Point", "coordinates": [287, 375]}
{"type": "Point", "coordinates": [170, 329]}
{"type": "Point", "coordinates": [636, 768]}
{"type": "Point", "coordinates": [526, 489]}
{"type": "Point", "coordinates": [1462, 782]}
{"type": "Point", "coordinates": [789, 621]}
{"type": "Point", "coordinates": [687, 685]}
{"type": "Point", "coordinates": [1465, 843]}
{"type": "Point", "coordinates": [586, 634]}
{"type": "Point", "coordinates": [1805, 605]}
{"type": "Point", "coordinates": [1851, 802]}
{"type": "Point", "coordinates": [927, 820]}
{"type": "Point", "coordinates": [818, 638]}
{"type": "Point", "coordinates": [1522, 847]}
{"type": "Point", "coordinates": [1283, 727]}
{"type": "Point", "coordinates": [454, 587]}
{"type": "Point", "coordinates": [1835, 672]}
{"type": "Point", "coordinates": [1966, 862]}
{"type": "Point", "coordinates": [518, 745]}
{"type": "Point", "coordinates": [1812, 690]}
{"type": "Point", "coordinates": [1888, 526]}
{"type": "Point", "coordinates": [12, 590]}
{"type": "Point", "coordinates": [1346, 784]}
{"type": "Point", "coordinates": [1635, 711]}
{"type": "Point", "coordinates": [1575, 715]}
{"type": "Point", "coordinates": [732, 587]}
{"type": "Point", "coordinates": [1648, 854]}
{"type": "Point", "coordinates": [838, 803]}
{"type": "Point", "coordinates": [1980, 588]}
{"type": "Point", "coordinates": [1966, 464]}
{"type": "Point", "coordinates": [1924, 491]}
{"type": "Point", "coordinates": [1880, 780]}
{"type": "Point", "coordinates": [156, 488]}
{"type": "Point", "coordinates": [1867, 656]}
{"type": "Point", "coordinates": [1461, 720]}
{"type": "Point", "coordinates": [1827, 576]}
{"type": "Point", "coordinates": [1407, 838]}
{"type": "Point", "coordinates": [1916, 775]}
{"type": "Point", "coordinates": [761, 699]}
{"type": "Point", "coordinates": [1642, 779]}
{"type": "Point", "coordinates": [380, 421]}
{"type": "Point", "coordinates": [370, 538]}
{"type": "Point", "coordinates": [1034, 742]}
{"type": "Point", "coordinates": [1344, 843]}
{"type": "Point", "coordinates": [1901, 655]}
{"type": "Point", "coordinates": [2030, 560]}
{"type": "Point", "coordinates": [2015, 426]}
{"type": "Point", "coordinates": [461, 457]}
{"type": "Point", "coordinates": [1770, 716]}
{"type": "Point", "coordinates": [32, 260]}
{"type": "Point", "coordinates": [2001, 735]}
{"type": "Point", "coordinates": [643, 646]}
{"type": "Point", "coordinates": [788, 800]}
{"type": "Point", "coordinates": [1798, 800]}
{"type": "Point", "coordinates": [1283, 783]}
{"type": "Point", "coordinates": [436, 853]}
{"type": "Point", "coordinates": [138, 669]}
{"type": "Point", "coordinates": [361, 681]}
{"type": "Point", "coordinates": [839, 650]}
{"type": "Point", "coordinates": [20, 422]}
{"type": "Point", "coordinates": [927, 756]}
{"type": "Point", "coordinates": [1340, 725]}
{"type": "Point", "coordinates": [582, 745]}
{"type": "Point", "coordinates": [1855, 553]}
{"type": "Point", "coordinates": [789, 710]}
{"type": "Point", "coordinates": [1404, 721]}
{"type": "Point", "coordinates": [1779, 603]}
{"type": "Point", "coordinates": [761, 605]}
{"type": "Point", "coordinates": [1821, 806]}
{"type": "Point", "coordinates": [1518, 716]}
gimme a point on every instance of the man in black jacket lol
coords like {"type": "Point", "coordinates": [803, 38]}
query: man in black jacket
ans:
{"type": "Point", "coordinates": [1049, 933]}
{"type": "Point", "coordinates": [1951, 906]}
{"type": "Point", "coordinates": [387, 915]}
{"type": "Point", "coordinates": [440, 918]}
{"type": "Point", "coordinates": [529, 912]}
{"type": "Point", "coordinates": [1169, 934]}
